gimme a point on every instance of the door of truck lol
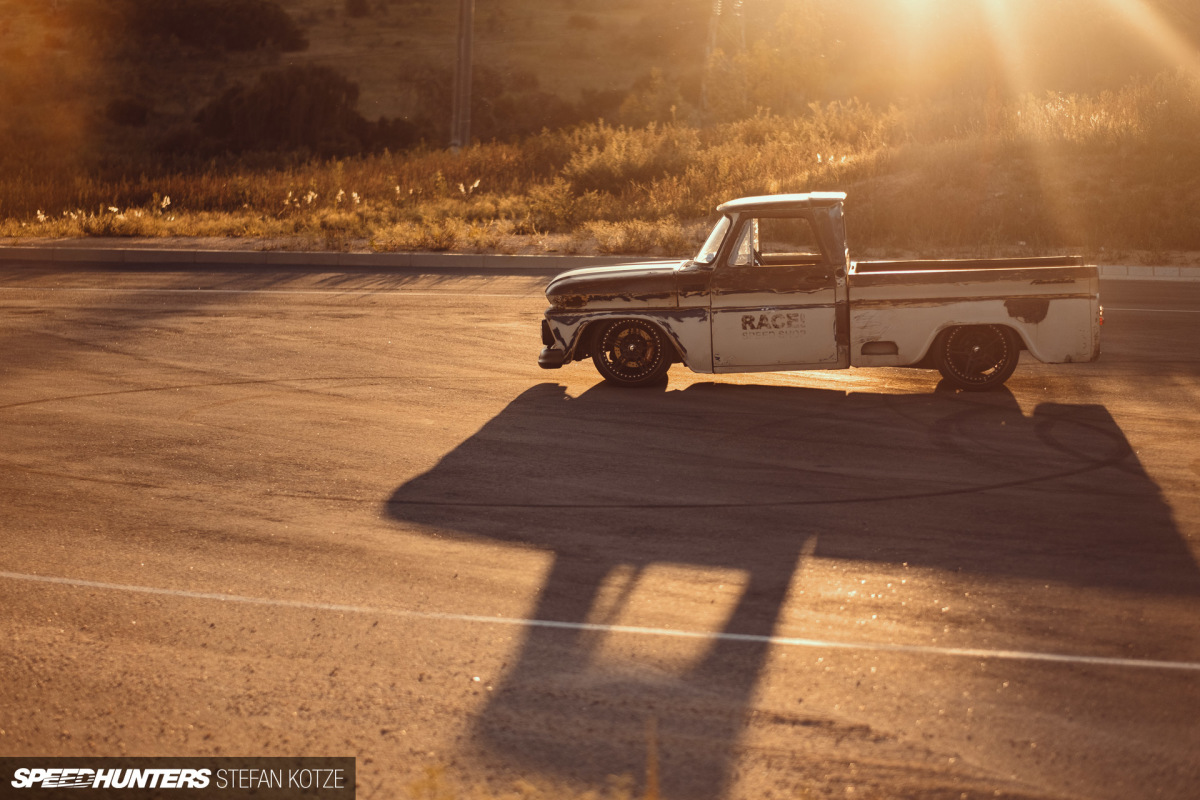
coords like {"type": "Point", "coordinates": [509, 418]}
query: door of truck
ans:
{"type": "Point", "coordinates": [776, 299]}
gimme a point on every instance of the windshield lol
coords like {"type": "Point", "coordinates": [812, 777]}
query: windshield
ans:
{"type": "Point", "coordinates": [708, 253]}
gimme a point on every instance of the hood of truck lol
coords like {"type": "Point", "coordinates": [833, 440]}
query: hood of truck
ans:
{"type": "Point", "coordinates": [643, 285]}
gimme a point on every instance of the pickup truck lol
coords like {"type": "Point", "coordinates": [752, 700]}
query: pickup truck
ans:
{"type": "Point", "coordinates": [773, 288]}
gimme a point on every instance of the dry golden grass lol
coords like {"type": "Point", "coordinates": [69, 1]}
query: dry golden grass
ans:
{"type": "Point", "coordinates": [1099, 173]}
{"type": "Point", "coordinates": [1092, 173]}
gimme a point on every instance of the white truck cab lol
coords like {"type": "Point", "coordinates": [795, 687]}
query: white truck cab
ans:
{"type": "Point", "coordinates": [773, 288]}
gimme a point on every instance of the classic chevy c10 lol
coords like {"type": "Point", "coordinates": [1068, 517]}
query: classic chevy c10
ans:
{"type": "Point", "coordinates": [773, 288]}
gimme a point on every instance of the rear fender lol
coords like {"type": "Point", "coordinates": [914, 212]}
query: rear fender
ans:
{"type": "Point", "coordinates": [927, 362]}
{"type": "Point", "coordinates": [1057, 330]}
{"type": "Point", "coordinates": [1066, 335]}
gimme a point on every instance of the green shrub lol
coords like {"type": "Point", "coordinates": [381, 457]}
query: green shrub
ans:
{"type": "Point", "coordinates": [433, 236]}
{"type": "Point", "coordinates": [639, 237]}
{"type": "Point", "coordinates": [653, 98]}
{"type": "Point", "coordinates": [553, 208]}
{"type": "Point", "coordinates": [502, 106]}
{"type": "Point", "coordinates": [611, 159]}
{"type": "Point", "coordinates": [311, 107]}
{"type": "Point", "coordinates": [127, 111]}
{"type": "Point", "coordinates": [222, 24]}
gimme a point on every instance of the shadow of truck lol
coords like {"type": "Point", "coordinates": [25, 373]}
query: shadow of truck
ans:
{"type": "Point", "coordinates": [753, 479]}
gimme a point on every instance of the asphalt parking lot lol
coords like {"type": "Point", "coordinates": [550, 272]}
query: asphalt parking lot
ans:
{"type": "Point", "coordinates": [252, 510]}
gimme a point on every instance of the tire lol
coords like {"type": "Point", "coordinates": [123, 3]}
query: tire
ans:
{"type": "Point", "coordinates": [976, 358]}
{"type": "Point", "coordinates": [631, 352]}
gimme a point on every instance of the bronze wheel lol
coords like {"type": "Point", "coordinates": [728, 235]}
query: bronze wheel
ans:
{"type": "Point", "coordinates": [631, 352]}
{"type": "Point", "coordinates": [976, 358]}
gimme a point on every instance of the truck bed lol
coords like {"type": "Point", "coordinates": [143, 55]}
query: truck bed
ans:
{"type": "Point", "coordinates": [945, 264]}
{"type": "Point", "coordinates": [898, 307]}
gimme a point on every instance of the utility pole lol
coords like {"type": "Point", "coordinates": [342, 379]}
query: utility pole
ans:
{"type": "Point", "coordinates": [460, 123]}
{"type": "Point", "coordinates": [726, 33]}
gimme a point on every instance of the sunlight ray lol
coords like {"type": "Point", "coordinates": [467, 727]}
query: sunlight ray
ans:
{"type": "Point", "coordinates": [1009, 45]}
{"type": "Point", "coordinates": [1153, 26]}
{"type": "Point", "coordinates": [1020, 80]}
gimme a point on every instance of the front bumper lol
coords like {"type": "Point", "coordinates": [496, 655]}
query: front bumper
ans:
{"type": "Point", "coordinates": [551, 358]}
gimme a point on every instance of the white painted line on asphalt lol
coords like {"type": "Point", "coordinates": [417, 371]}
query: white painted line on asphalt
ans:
{"type": "Point", "coordinates": [779, 641]}
{"type": "Point", "coordinates": [329, 292]}
{"type": "Point", "coordinates": [1154, 310]}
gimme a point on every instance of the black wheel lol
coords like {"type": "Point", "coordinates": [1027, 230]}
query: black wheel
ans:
{"type": "Point", "coordinates": [976, 358]}
{"type": "Point", "coordinates": [631, 352]}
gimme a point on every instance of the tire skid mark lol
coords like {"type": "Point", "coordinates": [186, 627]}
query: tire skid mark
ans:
{"type": "Point", "coordinates": [5, 464]}
{"type": "Point", "coordinates": [746, 504]}
{"type": "Point", "coordinates": [210, 384]}
{"type": "Point", "coordinates": [597, 506]}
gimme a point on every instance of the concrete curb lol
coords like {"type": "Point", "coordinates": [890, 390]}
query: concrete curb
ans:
{"type": "Point", "coordinates": [1111, 272]}
{"type": "Point", "coordinates": [286, 258]}
{"type": "Point", "coordinates": [464, 261]}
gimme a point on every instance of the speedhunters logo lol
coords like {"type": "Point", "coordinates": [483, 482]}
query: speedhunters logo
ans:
{"type": "Point", "coordinates": [84, 778]}
{"type": "Point", "coordinates": [271, 778]}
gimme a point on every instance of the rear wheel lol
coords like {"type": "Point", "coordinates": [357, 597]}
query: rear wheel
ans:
{"type": "Point", "coordinates": [976, 358]}
{"type": "Point", "coordinates": [632, 352]}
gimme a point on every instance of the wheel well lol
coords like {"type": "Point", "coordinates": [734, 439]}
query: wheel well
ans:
{"type": "Point", "coordinates": [927, 361]}
{"type": "Point", "coordinates": [591, 333]}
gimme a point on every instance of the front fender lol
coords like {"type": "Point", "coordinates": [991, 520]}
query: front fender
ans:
{"type": "Point", "coordinates": [688, 330]}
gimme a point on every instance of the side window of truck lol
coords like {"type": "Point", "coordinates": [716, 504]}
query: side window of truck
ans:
{"type": "Point", "coordinates": [776, 241]}
{"type": "Point", "coordinates": [745, 254]}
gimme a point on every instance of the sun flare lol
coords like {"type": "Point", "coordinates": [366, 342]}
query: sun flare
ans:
{"type": "Point", "coordinates": [1152, 25]}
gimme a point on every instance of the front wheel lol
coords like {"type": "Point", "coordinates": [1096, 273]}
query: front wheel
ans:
{"type": "Point", "coordinates": [976, 358]}
{"type": "Point", "coordinates": [632, 352]}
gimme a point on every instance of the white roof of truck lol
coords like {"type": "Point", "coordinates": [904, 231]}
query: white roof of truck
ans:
{"type": "Point", "coordinates": [782, 202]}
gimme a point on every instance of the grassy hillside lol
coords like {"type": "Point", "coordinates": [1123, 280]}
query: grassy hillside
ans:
{"type": "Point", "coordinates": [952, 129]}
{"type": "Point", "coordinates": [563, 47]}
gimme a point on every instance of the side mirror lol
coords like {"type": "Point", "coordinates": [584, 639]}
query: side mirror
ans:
{"type": "Point", "coordinates": [707, 259]}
